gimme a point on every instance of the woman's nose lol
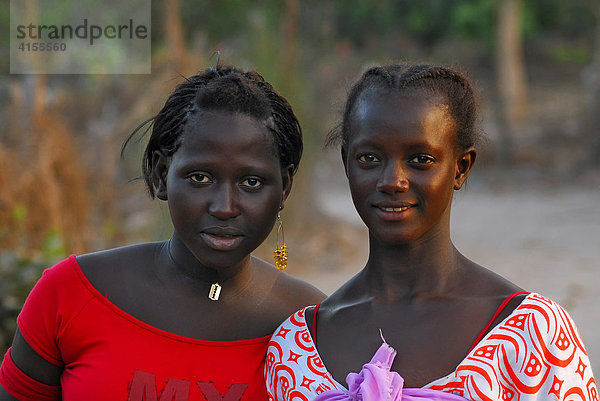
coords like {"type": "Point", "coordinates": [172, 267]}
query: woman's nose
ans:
{"type": "Point", "coordinates": [223, 205]}
{"type": "Point", "coordinates": [394, 178]}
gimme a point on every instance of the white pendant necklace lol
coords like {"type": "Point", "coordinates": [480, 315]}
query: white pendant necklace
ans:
{"type": "Point", "coordinates": [215, 291]}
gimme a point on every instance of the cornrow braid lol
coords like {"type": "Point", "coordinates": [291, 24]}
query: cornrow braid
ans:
{"type": "Point", "coordinates": [223, 88]}
{"type": "Point", "coordinates": [451, 86]}
{"type": "Point", "coordinates": [436, 72]}
{"type": "Point", "coordinates": [379, 73]}
{"type": "Point", "coordinates": [282, 122]}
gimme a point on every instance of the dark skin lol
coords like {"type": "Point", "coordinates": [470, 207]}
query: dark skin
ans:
{"type": "Point", "coordinates": [430, 301]}
{"type": "Point", "coordinates": [224, 187]}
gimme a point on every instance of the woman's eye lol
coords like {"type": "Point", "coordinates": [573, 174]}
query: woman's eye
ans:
{"type": "Point", "coordinates": [421, 159]}
{"type": "Point", "coordinates": [252, 182]}
{"type": "Point", "coordinates": [368, 158]}
{"type": "Point", "coordinates": [199, 178]}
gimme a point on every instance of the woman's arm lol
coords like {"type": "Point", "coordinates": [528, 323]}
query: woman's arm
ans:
{"type": "Point", "coordinates": [30, 366]}
{"type": "Point", "coordinates": [4, 396]}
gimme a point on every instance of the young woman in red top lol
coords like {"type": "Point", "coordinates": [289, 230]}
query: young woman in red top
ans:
{"type": "Point", "coordinates": [188, 318]}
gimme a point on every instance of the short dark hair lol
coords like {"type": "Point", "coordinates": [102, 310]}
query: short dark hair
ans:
{"type": "Point", "coordinates": [224, 88]}
{"type": "Point", "coordinates": [451, 85]}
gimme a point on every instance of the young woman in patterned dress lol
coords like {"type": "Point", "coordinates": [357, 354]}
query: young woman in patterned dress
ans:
{"type": "Point", "coordinates": [453, 329]}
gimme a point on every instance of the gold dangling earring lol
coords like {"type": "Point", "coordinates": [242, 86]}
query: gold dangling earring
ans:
{"type": "Point", "coordinates": [280, 253]}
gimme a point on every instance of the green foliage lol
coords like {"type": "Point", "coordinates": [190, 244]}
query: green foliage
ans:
{"type": "Point", "coordinates": [17, 277]}
{"type": "Point", "coordinates": [569, 54]}
{"type": "Point", "coordinates": [18, 274]}
{"type": "Point", "coordinates": [426, 21]}
{"type": "Point", "coordinates": [4, 35]}
{"type": "Point", "coordinates": [569, 19]}
{"type": "Point", "coordinates": [218, 20]}
{"type": "Point", "coordinates": [54, 246]}
{"type": "Point", "coordinates": [473, 19]}
{"type": "Point", "coordinates": [19, 213]}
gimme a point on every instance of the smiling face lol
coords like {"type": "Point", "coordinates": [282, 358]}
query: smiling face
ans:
{"type": "Point", "coordinates": [403, 165]}
{"type": "Point", "coordinates": [224, 186]}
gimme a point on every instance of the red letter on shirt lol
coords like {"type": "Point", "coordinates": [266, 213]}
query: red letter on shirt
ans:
{"type": "Point", "coordinates": [143, 388]}
{"type": "Point", "coordinates": [211, 393]}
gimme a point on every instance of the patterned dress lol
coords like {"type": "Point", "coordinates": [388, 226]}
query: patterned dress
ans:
{"type": "Point", "coordinates": [536, 353]}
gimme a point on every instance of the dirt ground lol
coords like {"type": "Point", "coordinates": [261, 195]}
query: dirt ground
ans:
{"type": "Point", "coordinates": [544, 235]}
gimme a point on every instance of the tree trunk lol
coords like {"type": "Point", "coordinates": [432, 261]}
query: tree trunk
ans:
{"type": "Point", "coordinates": [290, 44]}
{"type": "Point", "coordinates": [175, 41]}
{"type": "Point", "coordinates": [510, 73]}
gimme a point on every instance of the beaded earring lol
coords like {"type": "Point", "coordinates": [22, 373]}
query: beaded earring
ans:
{"type": "Point", "coordinates": [280, 254]}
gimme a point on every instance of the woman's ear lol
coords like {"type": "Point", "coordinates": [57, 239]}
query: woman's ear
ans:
{"type": "Point", "coordinates": [344, 154]}
{"type": "Point", "coordinates": [464, 164]}
{"type": "Point", "coordinates": [287, 178]}
{"type": "Point", "coordinates": [160, 168]}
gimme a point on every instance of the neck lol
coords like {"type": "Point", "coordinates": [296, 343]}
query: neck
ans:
{"type": "Point", "coordinates": [426, 267]}
{"type": "Point", "coordinates": [184, 266]}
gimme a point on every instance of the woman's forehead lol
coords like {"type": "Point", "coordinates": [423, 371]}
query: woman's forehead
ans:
{"type": "Point", "coordinates": [227, 133]}
{"type": "Point", "coordinates": [392, 107]}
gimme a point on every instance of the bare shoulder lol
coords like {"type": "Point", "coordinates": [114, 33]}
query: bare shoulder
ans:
{"type": "Point", "coordinates": [479, 280]}
{"type": "Point", "coordinates": [117, 258]}
{"type": "Point", "coordinates": [288, 293]}
{"type": "Point", "coordinates": [104, 268]}
{"type": "Point", "coordinates": [299, 290]}
{"type": "Point", "coordinates": [495, 294]}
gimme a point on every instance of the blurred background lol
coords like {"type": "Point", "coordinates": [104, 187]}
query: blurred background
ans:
{"type": "Point", "coordinates": [529, 211]}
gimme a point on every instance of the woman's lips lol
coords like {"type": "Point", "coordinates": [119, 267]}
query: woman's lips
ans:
{"type": "Point", "coordinates": [221, 242]}
{"type": "Point", "coordinates": [222, 238]}
{"type": "Point", "coordinates": [394, 209]}
{"type": "Point", "coordinates": [393, 212]}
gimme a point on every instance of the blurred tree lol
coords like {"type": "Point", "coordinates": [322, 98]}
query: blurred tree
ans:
{"type": "Point", "coordinates": [174, 38]}
{"type": "Point", "coordinates": [510, 73]}
{"type": "Point", "coordinates": [290, 37]}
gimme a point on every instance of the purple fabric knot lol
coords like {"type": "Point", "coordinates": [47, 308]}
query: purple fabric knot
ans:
{"type": "Point", "coordinates": [376, 382]}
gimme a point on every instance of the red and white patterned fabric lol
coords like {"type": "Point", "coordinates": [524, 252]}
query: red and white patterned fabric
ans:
{"type": "Point", "coordinates": [536, 353]}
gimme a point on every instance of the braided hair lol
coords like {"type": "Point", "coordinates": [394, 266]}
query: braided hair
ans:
{"type": "Point", "coordinates": [229, 89]}
{"type": "Point", "coordinates": [450, 85]}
